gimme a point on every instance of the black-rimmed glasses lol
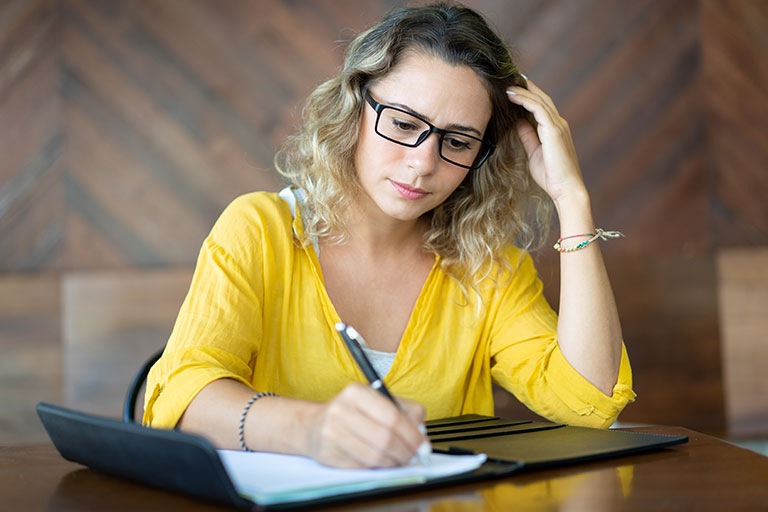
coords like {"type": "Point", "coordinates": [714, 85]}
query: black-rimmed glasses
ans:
{"type": "Point", "coordinates": [408, 129]}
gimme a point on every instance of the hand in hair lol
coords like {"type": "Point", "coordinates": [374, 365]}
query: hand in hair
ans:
{"type": "Point", "coordinates": [552, 157]}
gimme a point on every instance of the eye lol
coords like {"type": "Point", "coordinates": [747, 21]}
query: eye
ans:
{"type": "Point", "coordinates": [403, 125]}
{"type": "Point", "coordinates": [456, 144]}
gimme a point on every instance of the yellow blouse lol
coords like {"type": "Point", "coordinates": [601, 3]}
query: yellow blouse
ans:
{"type": "Point", "coordinates": [257, 312]}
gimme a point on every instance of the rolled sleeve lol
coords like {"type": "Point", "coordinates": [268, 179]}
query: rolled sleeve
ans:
{"type": "Point", "coordinates": [582, 402]}
{"type": "Point", "coordinates": [527, 360]}
{"type": "Point", "coordinates": [181, 376]}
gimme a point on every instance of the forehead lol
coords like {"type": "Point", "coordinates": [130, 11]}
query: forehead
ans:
{"type": "Point", "coordinates": [442, 92]}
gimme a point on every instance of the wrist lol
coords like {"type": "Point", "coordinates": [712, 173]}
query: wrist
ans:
{"type": "Point", "coordinates": [574, 212]}
{"type": "Point", "coordinates": [305, 428]}
{"type": "Point", "coordinates": [284, 426]}
{"type": "Point", "coordinates": [576, 197]}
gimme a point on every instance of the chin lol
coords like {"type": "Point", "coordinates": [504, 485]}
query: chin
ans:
{"type": "Point", "coordinates": [403, 213]}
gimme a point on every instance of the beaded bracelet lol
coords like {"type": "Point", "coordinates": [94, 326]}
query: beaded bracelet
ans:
{"type": "Point", "coordinates": [599, 233]}
{"type": "Point", "coordinates": [241, 428]}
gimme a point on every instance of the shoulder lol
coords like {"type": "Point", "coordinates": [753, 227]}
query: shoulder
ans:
{"type": "Point", "coordinates": [256, 206]}
{"type": "Point", "coordinates": [511, 272]}
{"type": "Point", "coordinates": [513, 264]}
{"type": "Point", "coordinates": [512, 276]}
{"type": "Point", "coordinates": [253, 217]}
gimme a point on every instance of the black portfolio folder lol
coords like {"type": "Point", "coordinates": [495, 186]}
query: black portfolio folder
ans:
{"type": "Point", "coordinates": [189, 464]}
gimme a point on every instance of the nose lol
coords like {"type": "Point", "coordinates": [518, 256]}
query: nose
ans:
{"type": "Point", "coordinates": [424, 158]}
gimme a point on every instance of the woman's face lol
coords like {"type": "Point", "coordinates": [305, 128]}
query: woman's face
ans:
{"type": "Point", "coordinates": [406, 182]}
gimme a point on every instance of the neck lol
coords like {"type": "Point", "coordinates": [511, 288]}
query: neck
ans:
{"type": "Point", "coordinates": [387, 236]}
{"type": "Point", "coordinates": [381, 236]}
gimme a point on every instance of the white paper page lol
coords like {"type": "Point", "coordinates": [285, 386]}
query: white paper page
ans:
{"type": "Point", "coordinates": [274, 478]}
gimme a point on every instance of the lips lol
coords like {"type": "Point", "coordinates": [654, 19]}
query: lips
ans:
{"type": "Point", "coordinates": [407, 191]}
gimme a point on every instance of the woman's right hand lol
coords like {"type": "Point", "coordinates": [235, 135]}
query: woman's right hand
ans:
{"type": "Point", "coordinates": [361, 428]}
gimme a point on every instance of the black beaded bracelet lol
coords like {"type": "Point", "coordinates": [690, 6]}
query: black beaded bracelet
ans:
{"type": "Point", "coordinates": [241, 428]}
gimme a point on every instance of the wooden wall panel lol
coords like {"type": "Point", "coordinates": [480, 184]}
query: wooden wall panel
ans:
{"type": "Point", "coordinates": [743, 303]}
{"type": "Point", "coordinates": [111, 323]}
{"type": "Point", "coordinates": [128, 126]}
{"type": "Point", "coordinates": [139, 125]}
{"type": "Point", "coordinates": [735, 80]}
{"type": "Point", "coordinates": [30, 354]}
{"type": "Point", "coordinates": [670, 322]}
{"type": "Point", "coordinates": [31, 137]}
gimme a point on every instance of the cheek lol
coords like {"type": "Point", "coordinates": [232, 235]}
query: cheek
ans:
{"type": "Point", "coordinates": [373, 152]}
{"type": "Point", "coordinates": [362, 151]}
{"type": "Point", "coordinates": [457, 179]}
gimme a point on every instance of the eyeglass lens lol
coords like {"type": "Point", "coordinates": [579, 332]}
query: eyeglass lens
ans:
{"type": "Point", "coordinates": [404, 128]}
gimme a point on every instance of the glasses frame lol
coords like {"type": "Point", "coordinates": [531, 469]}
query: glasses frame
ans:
{"type": "Point", "coordinates": [486, 147]}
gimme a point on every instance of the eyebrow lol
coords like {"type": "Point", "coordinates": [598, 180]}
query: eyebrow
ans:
{"type": "Point", "coordinates": [451, 127]}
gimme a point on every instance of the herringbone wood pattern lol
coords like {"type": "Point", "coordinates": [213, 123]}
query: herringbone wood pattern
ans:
{"type": "Point", "coordinates": [128, 126]}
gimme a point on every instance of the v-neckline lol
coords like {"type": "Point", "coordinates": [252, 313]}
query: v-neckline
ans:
{"type": "Point", "coordinates": [332, 315]}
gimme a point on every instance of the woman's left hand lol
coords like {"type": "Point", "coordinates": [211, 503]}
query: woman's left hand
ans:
{"type": "Point", "coordinates": [551, 156]}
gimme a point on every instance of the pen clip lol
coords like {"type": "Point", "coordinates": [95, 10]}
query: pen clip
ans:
{"type": "Point", "coordinates": [352, 332]}
{"type": "Point", "coordinates": [353, 341]}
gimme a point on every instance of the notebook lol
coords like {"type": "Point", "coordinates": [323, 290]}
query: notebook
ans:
{"type": "Point", "coordinates": [535, 445]}
{"type": "Point", "coordinates": [189, 464]}
{"type": "Point", "coordinates": [467, 448]}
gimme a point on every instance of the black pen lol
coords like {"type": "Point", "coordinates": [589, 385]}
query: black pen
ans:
{"type": "Point", "coordinates": [354, 343]}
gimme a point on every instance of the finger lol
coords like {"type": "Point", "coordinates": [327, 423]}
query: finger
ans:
{"type": "Point", "coordinates": [350, 452]}
{"type": "Point", "coordinates": [404, 420]}
{"type": "Point", "coordinates": [528, 137]}
{"type": "Point", "coordinates": [414, 410]}
{"type": "Point", "coordinates": [417, 413]}
{"type": "Point", "coordinates": [368, 452]}
{"type": "Point", "coordinates": [382, 425]}
{"type": "Point", "coordinates": [542, 112]}
{"type": "Point", "coordinates": [370, 417]}
{"type": "Point", "coordinates": [535, 89]}
{"type": "Point", "coordinates": [403, 412]}
{"type": "Point", "coordinates": [348, 438]}
{"type": "Point", "coordinates": [551, 126]}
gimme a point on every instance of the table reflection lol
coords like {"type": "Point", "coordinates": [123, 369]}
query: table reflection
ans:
{"type": "Point", "coordinates": [595, 490]}
{"type": "Point", "coordinates": [603, 489]}
{"type": "Point", "coordinates": [85, 489]}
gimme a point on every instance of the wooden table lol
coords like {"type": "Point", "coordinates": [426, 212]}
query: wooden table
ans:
{"type": "Point", "coordinates": [704, 474]}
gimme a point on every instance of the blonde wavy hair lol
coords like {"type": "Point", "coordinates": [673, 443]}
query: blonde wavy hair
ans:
{"type": "Point", "coordinates": [496, 205]}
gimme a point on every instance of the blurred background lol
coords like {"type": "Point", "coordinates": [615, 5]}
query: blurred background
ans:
{"type": "Point", "coordinates": [127, 126]}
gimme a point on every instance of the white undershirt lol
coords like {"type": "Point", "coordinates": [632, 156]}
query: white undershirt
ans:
{"type": "Point", "coordinates": [381, 361]}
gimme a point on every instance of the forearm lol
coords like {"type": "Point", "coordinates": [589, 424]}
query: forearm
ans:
{"type": "Point", "coordinates": [358, 428]}
{"type": "Point", "coordinates": [589, 331]}
{"type": "Point", "coordinates": [274, 424]}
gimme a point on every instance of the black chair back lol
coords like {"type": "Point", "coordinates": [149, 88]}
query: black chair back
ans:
{"type": "Point", "coordinates": [131, 397]}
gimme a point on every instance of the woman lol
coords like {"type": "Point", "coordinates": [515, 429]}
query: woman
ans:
{"type": "Point", "coordinates": [417, 171]}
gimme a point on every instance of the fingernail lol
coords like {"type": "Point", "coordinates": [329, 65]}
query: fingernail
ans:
{"type": "Point", "coordinates": [512, 93]}
{"type": "Point", "coordinates": [422, 429]}
{"type": "Point", "coordinates": [522, 75]}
